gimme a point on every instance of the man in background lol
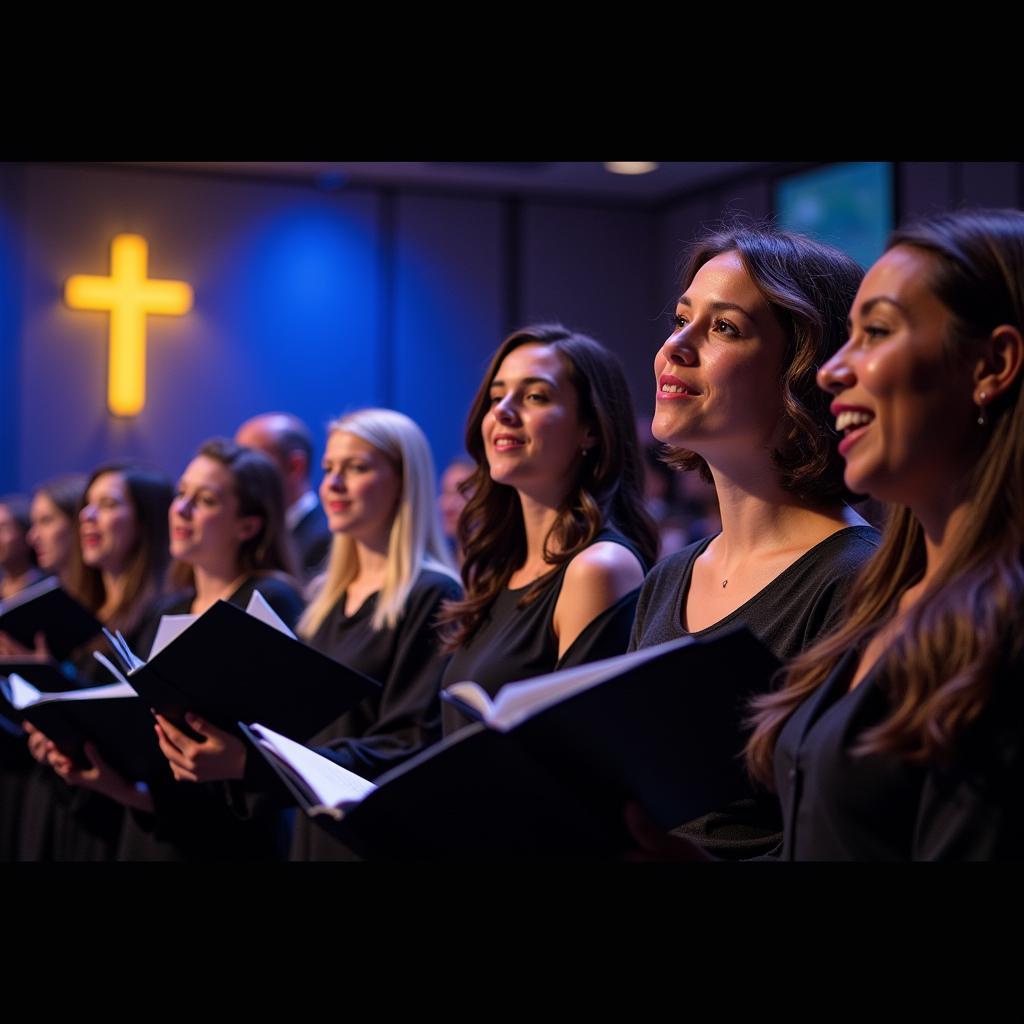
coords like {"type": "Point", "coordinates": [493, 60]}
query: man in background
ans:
{"type": "Point", "coordinates": [288, 442]}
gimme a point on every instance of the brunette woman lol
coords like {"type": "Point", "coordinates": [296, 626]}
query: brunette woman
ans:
{"type": "Point", "coordinates": [759, 312]}
{"type": "Point", "coordinates": [123, 535]}
{"type": "Point", "coordinates": [554, 536]}
{"type": "Point", "coordinates": [901, 735]}
{"type": "Point", "coordinates": [387, 575]}
{"type": "Point", "coordinates": [228, 539]}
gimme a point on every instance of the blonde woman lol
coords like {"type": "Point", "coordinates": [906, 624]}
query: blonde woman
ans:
{"type": "Point", "coordinates": [387, 575]}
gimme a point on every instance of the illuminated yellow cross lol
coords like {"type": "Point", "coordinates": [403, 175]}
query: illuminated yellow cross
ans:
{"type": "Point", "coordinates": [129, 297]}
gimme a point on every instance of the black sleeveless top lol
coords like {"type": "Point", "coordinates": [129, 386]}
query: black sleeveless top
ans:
{"type": "Point", "coordinates": [515, 643]}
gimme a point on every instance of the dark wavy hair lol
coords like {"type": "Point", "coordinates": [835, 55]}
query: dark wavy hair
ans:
{"type": "Point", "coordinates": [945, 665]}
{"type": "Point", "coordinates": [607, 491]}
{"type": "Point", "coordinates": [810, 288]}
{"type": "Point", "coordinates": [260, 492]}
{"type": "Point", "coordinates": [150, 493]}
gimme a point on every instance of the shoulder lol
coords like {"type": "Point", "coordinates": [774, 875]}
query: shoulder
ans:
{"type": "Point", "coordinates": [847, 549]}
{"type": "Point", "coordinates": [275, 586]}
{"type": "Point", "coordinates": [670, 571]}
{"type": "Point", "coordinates": [433, 586]}
{"type": "Point", "coordinates": [605, 565]}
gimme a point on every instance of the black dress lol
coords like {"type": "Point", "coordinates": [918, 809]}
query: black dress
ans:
{"type": "Point", "coordinates": [379, 733]}
{"type": "Point", "coordinates": [71, 823]}
{"type": "Point", "coordinates": [879, 807]}
{"type": "Point", "coordinates": [514, 643]}
{"type": "Point", "coordinates": [192, 822]}
{"type": "Point", "coordinates": [801, 604]}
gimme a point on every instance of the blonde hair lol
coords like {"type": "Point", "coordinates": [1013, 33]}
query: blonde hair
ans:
{"type": "Point", "coordinates": [415, 542]}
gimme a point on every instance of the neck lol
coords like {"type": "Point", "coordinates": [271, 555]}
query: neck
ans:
{"type": "Point", "coordinates": [372, 557]}
{"type": "Point", "coordinates": [943, 521]}
{"type": "Point", "coordinates": [759, 516]}
{"type": "Point", "coordinates": [214, 583]}
{"type": "Point", "coordinates": [113, 587]}
{"type": "Point", "coordinates": [16, 578]}
{"type": "Point", "coordinates": [295, 491]}
{"type": "Point", "coordinates": [538, 518]}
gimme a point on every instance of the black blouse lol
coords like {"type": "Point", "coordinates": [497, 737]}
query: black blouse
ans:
{"type": "Point", "coordinates": [802, 603]}
{"type": "Point", "coordinates": [192, 822]}
{"type": "Point", "coordinates": [381, 732]}
{"type": "Point", "coordinates": [514, 643]}
{"type": "Point", "coordinates": [879, 807]}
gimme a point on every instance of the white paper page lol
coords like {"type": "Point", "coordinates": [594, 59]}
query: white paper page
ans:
{"type": "Point", "coordinates": [20, 692]}
{"type": "Point", "coordinates": [332, 784]}
{"type": "Point", "coordinates": [170, 628]}
{"type": "Point", "coordinates": [23, 693]}
{"type": "Point", "coordinates": [259, 609]}
{"type": "Point", "coordinates": [473, 695]}
{"type": "Point", "coordinates": [518, 701]}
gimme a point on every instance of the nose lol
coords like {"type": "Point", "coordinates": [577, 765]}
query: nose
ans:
{"type": "Point", "coordinates": [183, 507]}
{"type": "Point", "coordinates": [87, 514]}
{"type": "Point", "coordinates": [837, 374]}
{"type": "Point", "coordinates": [678, 349]}
{"type": "Point", "coordinates": [505, 410]}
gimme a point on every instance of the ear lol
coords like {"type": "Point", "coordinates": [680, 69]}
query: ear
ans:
{"type": "Point", "coordinates": [999, 364]}
{"type": "Point", "coordinates": [296, 466]}
{"type": "Point", "coordinates": [248, 527]}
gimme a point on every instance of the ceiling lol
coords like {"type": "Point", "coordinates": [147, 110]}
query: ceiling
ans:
{"type": "Point", "coordinates": [572, 179]}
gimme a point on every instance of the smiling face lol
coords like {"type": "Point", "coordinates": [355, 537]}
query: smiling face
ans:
{"type": "Point", "coordinates": [532, 434]}
{"type": "Point", "coordinates": [108, 526]}
{"type": "Point", "coordinates": [205, 526]}
{"type": "Point", "coordinates": [360, 489]}
{"type": "Point", "coordinates": [717, 375]}
{"type": "Point", "coordinates": [51, 534]}
{"type": "Point", "coordinates": [904, 406]}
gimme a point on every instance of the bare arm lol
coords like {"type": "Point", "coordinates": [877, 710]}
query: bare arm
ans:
{"type": "Point", "coordinates": [595, 579]}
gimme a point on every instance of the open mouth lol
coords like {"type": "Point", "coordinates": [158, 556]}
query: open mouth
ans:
{"type": "Point", "coordinates": [851, 425]}
{"type": "Point", "coordinates": [672, 387]}
{"type": "Point", "coordinates": [504, 444]}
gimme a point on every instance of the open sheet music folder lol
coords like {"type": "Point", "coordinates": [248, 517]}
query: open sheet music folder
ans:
{"type": "Point", "coordinates": [45, 608]}
{"type": "Point", "coordinates": [229, 664]}
{"type": "Point", "coordinates": [547, 772]}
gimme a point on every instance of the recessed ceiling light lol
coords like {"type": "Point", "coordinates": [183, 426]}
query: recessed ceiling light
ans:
{"type": "Point", "coordinates": [631, 168]}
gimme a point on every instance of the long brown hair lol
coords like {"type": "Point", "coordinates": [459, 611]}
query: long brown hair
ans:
{"type": "Point", "coordinates": [150, 494]}
{"type": "Point", "coordinates": [809, 287]}
{"type": "Point", "coordinates": [260, 492]}
{"type": "Point", "coordinates": [941, 670]}
{"type": "Point", "coordinates": [608, 488]}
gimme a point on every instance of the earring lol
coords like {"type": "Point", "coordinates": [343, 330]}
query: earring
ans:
{"type": "Point", "coordinates": [981, 409]}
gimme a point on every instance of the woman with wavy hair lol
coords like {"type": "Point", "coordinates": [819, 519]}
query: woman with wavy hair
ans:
{"type": "Point", "coordinates": [120, 577]}
{"type": "Point", "coordinates": [900, 735]}
{"type": "Point", "coordinates": [555, 538]}
{"type": "Point", "coordinates": [387, 574]}
{"type": "Point", "coordinates": [759, 312]}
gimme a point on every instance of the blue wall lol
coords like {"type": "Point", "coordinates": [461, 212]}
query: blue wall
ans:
{"type": "Point", "coordinates": [318, 302]}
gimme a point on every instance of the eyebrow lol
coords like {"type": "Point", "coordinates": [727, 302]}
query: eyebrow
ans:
{"type": "Point", "coordinates": [527, 380]}
{"type": "Point", "coordinates": [870, 304]}
{"type": "Point", "coordinates": [716, 307]}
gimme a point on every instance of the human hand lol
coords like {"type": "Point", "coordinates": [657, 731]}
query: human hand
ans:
{"type": "Point", "coordinates": [38, 743]}
{"type": "Point", "coordinates": [10, 648]}
{"type": "Point", "coordinates": [99, 777]}
{"type": "Point", "coordinates": [218, 757]}
{"type": "Point", "coordinates": [654, 843]}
